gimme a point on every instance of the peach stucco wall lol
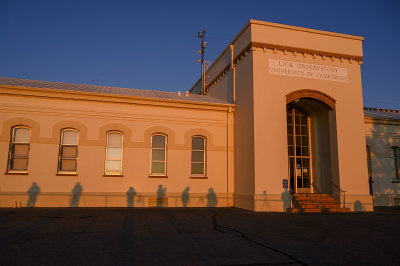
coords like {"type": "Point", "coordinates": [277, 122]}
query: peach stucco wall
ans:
{"type": "Point", "coordinates": [47, 116]}
{"type": "Point", "coordinates": [270, 114]}
{"type": "Point", "coordinates": [260, 117]}
{"type": "Point", "coordinates": [270, 111]}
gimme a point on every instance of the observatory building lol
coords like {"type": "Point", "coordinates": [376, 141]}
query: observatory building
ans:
{"type": "Point", "coordinates": [277, 125]}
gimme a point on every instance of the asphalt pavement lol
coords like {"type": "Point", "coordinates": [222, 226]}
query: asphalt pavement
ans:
{"type": "Point", "coordinates": [196, 236]}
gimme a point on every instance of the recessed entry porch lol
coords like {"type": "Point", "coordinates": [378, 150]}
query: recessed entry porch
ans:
{"type": "Point", "coordinates": [312, 151]}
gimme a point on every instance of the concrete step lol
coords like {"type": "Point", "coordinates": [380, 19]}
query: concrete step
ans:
{"type": "Point", "coordinates": [312, 200]}
{"type": "Point", "coordinates": [311, 195]}
{"type": "Point", "coordinates": [312, 203]}
{"type": "Point", "coordinates": [317, 210]}
{"type": "Point", "coordinates": [308, 206]}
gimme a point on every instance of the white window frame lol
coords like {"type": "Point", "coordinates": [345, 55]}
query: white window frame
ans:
{"type": "Point", "coordinates": [12, 144]}
{"type": "Point", "coordinates": [60, 158]}
{"type": "Point", "coordinates": [204, 156]}
{"type": "Point", "coordinates": [165, 155]}
{"type": "Point", "coordinates": [111, 146]}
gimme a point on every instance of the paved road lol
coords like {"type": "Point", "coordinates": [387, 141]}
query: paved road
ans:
{"type": "Point", "coordinates": [205, 236]}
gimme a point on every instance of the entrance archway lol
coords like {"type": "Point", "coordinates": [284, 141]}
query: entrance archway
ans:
{"type": "Point", "coordinates": [312, 142]}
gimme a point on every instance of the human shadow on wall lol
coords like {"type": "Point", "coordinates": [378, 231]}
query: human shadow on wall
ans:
{"type": "Point", "coordinates": [285, 197]}
{"type": "Point", "coordinates": [160, 195]}
{"type": "Point", "coordinates": [185, 197]}
{"type": "Point", "coordinates": [33, 193]}
{"type": "Point", "coordinates": [211, 198]}
{"type": "Point", "coordinates": [130, 197]}
{"type": "Point", "coordinates": [358, 206]}
{"type": "Point", "coordinates": [265, 200]}
{"type": "Point", "coordinates": [76, 195]}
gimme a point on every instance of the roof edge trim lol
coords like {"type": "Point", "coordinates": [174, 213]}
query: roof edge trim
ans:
{"type": "Point", "coordinates": [283, 26]}
{"type": "Point", "coordinates": [116, 96]}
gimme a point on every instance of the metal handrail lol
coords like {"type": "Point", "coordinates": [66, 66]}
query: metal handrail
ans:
{"type": "Point", "coordinates": [341, 191]}
{"type": "Point", "coordinates": [318, 192]}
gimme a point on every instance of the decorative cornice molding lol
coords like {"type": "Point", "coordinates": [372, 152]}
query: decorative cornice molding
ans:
{"type": "Point", "coordinates": [253, 46]}
{"type": "Point", "coordinates": [304, 51]}
{"type": "Point", "coordinates": [244, 53]}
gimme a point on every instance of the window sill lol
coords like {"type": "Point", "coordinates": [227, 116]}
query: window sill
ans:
{"type": "Point", "coordinates": [66, 174]}
{"type": "Point", "coordinates": [16, 173]}
{"type": "Point", "coordinates": [112, 175]}
{"type": "Point", "coordinates": [198, 177]}
{"type": "Point", "coordinates": [158, 176]}
{"type": "Point", "coordinates": [396, 181]}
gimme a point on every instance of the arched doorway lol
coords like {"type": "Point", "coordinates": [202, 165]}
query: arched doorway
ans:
{"type": "Point", "coordinates": [312, 142]}
{"type": "Point", "coordinates": [299, 151]}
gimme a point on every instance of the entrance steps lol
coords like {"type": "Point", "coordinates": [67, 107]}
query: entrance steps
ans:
{"type": "Point", "coordinates": [310, 202]}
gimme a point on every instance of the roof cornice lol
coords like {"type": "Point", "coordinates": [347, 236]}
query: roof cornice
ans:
{"type": "Point", "coordinates": [112, 98]}
{"type": "Point", "coordinates": [385, 121]}
{"type": "Point", "coordinates": [321, 32]}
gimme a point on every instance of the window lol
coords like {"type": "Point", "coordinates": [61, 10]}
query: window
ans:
{"type": "Point", "coordinates": [19, 149]}
{"type": "Point", "coordinates": [369, 163]}
{"type": "Point", "coordinates": [395, 161]}
{"type": "Point", "coordinates": [114, 153]}
{"type": "Point", "coordinates": [68, 153]}
{"type": "Point", "coordinates": [198, 156]}
{"type": "Point", "coordinates": [158, 154]}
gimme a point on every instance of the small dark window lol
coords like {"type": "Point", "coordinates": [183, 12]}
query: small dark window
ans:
{"type": "Point", "coordinates": [396, 161]}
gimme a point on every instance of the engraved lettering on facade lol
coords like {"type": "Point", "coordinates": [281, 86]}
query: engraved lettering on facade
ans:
{"type": "Point", "coordinates": [305, 70]}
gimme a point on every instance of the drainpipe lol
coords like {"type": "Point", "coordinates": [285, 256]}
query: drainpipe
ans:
{"type": "Point", "coordinates": [233, 67]}
{"type": "Point", "coordinates": [227, 155]}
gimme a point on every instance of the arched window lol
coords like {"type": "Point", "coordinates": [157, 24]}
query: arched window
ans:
{"type": "Point", "coordinates": [395, 154]}
{"type": "Point", "coordinates": [198, 162]}
{"type": "Point", "coordinates": [68, 152]}
{"type": "Point", "coordinates": [158, 154]}
{"type": "Point", "coordinates": [19, 149]}
{"type": "Point", "coordinates": [113, 163]}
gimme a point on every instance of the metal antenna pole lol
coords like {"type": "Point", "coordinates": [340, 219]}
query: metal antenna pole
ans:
{"type": "Point", "coordinates": [203, 46]}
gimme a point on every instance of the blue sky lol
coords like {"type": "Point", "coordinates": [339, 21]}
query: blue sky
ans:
{"type": "Point", "coordinates": [153, 44]}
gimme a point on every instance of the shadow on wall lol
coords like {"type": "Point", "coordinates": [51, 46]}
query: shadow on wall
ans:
{"type": "Point", "coordinates": [130, 197]}
{"type": "Point", "coordinates": [185, 197]}
{"type": "Point", "coordinates": [160, 195]}
{"type": "Point", "coordinates": [285, 197]}
{"type": "Point", "coordinates": [381, 173]}
{"type": "Point", "coordinates": [33, 193]}
{"type": "Point", "coordinates": [358, 207]}
{"type": "Point", "coordinates": [265, 204]}
{"type": "Point", "coordinates": [76, 195]}
{"type": "Point", "coordinates": [211, 198]}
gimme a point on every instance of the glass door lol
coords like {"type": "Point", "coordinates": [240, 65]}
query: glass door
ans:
{"type": "Point", "coordinates": [298, 150]}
